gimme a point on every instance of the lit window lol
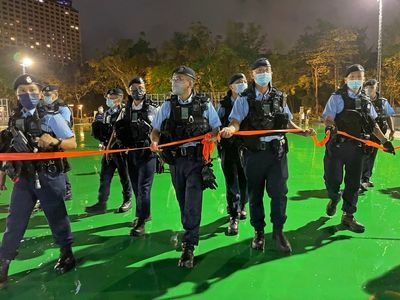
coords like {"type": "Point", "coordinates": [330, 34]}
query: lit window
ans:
{"type": "Point", "coordinates": [48, 46]}
{"type": "Point", "coordinates": [32, 47]}
{"type": "Point", "coordinates": [37, 44]}
{"type": "Point", "coordinates": [12, 38]}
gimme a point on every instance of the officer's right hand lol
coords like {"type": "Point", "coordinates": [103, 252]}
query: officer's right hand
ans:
{"type": "Point", "coordinates": [331, 128]}
{"type": "Point", "coordinates": [154, 147]}
{"type": "Point", "coordinates": [389, 147]}
{"type": "Point", "coordinates": [227, 132]}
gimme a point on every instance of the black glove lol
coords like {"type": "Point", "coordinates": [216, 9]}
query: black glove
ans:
{"type": "Point", "coordinates": [208, 177]}
{"type": "Point", "coordinates": [332, 129]}
{"type": "Point", "coordinates": [389, 147]}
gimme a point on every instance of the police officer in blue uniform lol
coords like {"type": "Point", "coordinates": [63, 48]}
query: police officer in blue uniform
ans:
{"type": "Point", "coordinates": [100, 114]}
{"type": "Point", "coordinates": [235, 179]}
{"type": "Point", "coordinates": [52, 103]}
{"type": "Point", "coordinates": [263, 107]}
{"type": "Point", "coordinates": [133, 129]}
{"type": "Point", "coordinates": [31, 131]}
{"type": "Point", "coordinates": [102, 130]}
{"type": "Point", "coordinates": [186, 114]}
{"type": "Point", "coordinates": [385, 121]}
{"type": "Point", "coordinates": [349, 110]}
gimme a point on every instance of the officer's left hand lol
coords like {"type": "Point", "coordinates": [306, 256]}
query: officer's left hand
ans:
{"type": "Point", "coordinates": [391, 135]}
{"type": "Point", "coordinates": [309, 132]}
{"type": "Point", "coordinates": [389, 147]}
{"type": "Point", "coordinates": [46, 141]}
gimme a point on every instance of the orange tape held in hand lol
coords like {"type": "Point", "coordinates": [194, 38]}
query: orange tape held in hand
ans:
{"type": "Point", "coordinates": [204, 139]}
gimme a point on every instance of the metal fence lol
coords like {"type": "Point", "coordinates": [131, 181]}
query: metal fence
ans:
{"type": "Point", "coordinates": [4, 111]}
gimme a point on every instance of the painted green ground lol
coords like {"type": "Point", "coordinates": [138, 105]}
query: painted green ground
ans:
{"type": "Point", "coordinates": [327, 262]}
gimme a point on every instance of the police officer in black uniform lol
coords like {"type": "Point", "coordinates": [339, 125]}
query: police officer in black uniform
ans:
{"type": "Point", "coordinates": [349, 110]}
{"type": "Point", "coordinates": [102, 130]}
{"type": "Point", "coordinates": [385, 121]}
{"type": "Point", "coordinates": [235, 179]}
{"type": "Point", "coordinates": [133, 130]}
{"type": "Point", "coordinates": [263, 107]}
{"type": "Point", "coordinates": [186, 114]}
{"type": "Point", "coordinates": [32, 131]}
{"type": "Point", "coordinates": [52, 103]}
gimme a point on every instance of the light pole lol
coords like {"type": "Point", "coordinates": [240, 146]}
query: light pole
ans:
{"type": "Point", "coordinates": [379, 61]}
{"type": "Point", "coordinates": [26, 62]}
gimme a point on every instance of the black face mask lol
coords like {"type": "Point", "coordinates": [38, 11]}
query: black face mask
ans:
{"type": "Point", "coordinates": [138, 94]}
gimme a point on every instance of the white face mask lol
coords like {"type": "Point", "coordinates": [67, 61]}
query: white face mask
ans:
{"type": "Point", "coordinates": [178, 88]}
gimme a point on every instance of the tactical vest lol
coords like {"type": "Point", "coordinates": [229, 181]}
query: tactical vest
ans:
{"type": "Point", "coordinates": [134, 129]}
{"type": "Point", "coordinates": [102, 130]}
{"type": "Point", "coordinates": [382, 117]}
{"type": "Point", "coordinates": [60, 103]}
{"type": "Point", "coordinates": [31, 127]}
{"type": "Point", "coordinates": [231, 144]}
{"type": "Point", "coordinates": [227, 104]}
{"type": "Point", "coordinates": [355, 118]}
{"type": "Point", "coordinates": [267, 114]}
{"type": "Point", "coordinates": [186, 120]}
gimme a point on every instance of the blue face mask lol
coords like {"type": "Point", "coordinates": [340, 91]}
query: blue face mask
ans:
{"type": "Point", "coordinates": [263, 79]}
{"type": "Point", "coordinates": [109, 103]}
{"type": "Point", "coordinates": [48, 100]}
{"type": "Point", "coordinates": [29, 101]}
{"type": "Point", "coordinates": [355, 85]}
{"type": "Point", "coordinates": [240, 87]}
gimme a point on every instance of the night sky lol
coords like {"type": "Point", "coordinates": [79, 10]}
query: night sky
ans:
{"type": "Point", "coordinates": [104, 21]}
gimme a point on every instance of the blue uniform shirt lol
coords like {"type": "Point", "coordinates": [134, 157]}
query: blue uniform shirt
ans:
{"type": "Point", "coordinates": [165, 111]}
{"type": "Point", "coordinates": [221, 110]}
{"type": "Point", "coordinates": [65, 113]}
{"type": "Point", "coordinates": [241, 109]}
{"type": "Point", "coordinates": [335, 105]}
{"type": "Point", "coordinates": [55, 123]}
{"type": "Point", "coordinates": [387, 108]}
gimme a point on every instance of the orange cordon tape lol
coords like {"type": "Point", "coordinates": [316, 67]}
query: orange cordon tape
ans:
{"type": "Point", "coordinates": [207, 149]}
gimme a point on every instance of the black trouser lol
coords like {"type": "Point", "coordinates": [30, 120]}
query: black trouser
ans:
{"type": "Point", "coordinates": [23, 199]}
{"type": "Point", "coordinates": [235, 179]}
{"type": "Point", "coordinates": [117, 161]}
{"type": "Point", "coordinates": [187, 181]}
{"type": "Point", "coordinates": [141, 174]}
{"type": "Point", "coordinates": [368, 164]}
{"type": "Point", "coordinates": [347, 155]}
{"type": "Point", "coordinates": [264, 170]}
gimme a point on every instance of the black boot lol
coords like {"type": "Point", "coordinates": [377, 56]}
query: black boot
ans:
{"type": "Point", "coordinates": [331, 208]}
{"type": "Point", "coordinates": [98, 208]}
{"type": "Point", "coordinates": [138, 227]}
{"type": "Point", "coordinates": [68, 193]}
{"type": "Point", "coordinates": [187, 256]}
{"type": "Point", "coordinates": [233, 227]}
{"type": "Point", "coordinates": [258, 242]}
{"type": "Point", "coordinates": [4, 265]}
{"type": "Point", "coordinates": [125, 206]}
{"type": "Point", "coordinates": [281, 242]}
{"type": "Point", "coordinates": [351, 223]}
{"type": "Point", "coordinates": [66, 262]}
{"type": "Point", "coordinates": [148, 219]}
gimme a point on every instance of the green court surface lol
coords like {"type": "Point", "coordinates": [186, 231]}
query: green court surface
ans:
{"type": "Point", "coordinates": [327, 261]}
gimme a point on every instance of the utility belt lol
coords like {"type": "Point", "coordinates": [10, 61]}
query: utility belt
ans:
{"type": "Point", "coordinates": [50, 166]}
{"type": "Point", "coordinates": [194, 153]}
{"type": "Point", "coordinates": [278, 147]}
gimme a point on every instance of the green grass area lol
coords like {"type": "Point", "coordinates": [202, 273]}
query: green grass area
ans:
{"type": "Point", "coordinates": [327, 262]}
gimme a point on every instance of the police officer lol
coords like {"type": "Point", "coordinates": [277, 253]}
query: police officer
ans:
{"type": "Point", "coordinates": [43, 179]}
{"type": "Point", "coordinates": [263, 107]}
{"type": "Point", "coordinates": [186, 114]}
{"type": "Point", "coordinates": [102, 130]}
{"type": "Point", "coordinates": [350, 110]}
{"type": "Point", "coordinates": [100, 114]}
{"type": "Point", "coordinates": [385, 121]}
{"type": "Point", "coordinates": [235, 179]}
{"type": "Point", "coordinates": [133, 130]}
{"type": "Point", "coordinates": [53, 104]}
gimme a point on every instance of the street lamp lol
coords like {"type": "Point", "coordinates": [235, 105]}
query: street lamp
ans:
{"type": "Point", "coordinates": [26, 62]}
{"type": "Point", "coordinates": [379, 61]}
{"type": "Point", "coordinates": [80, 107]}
